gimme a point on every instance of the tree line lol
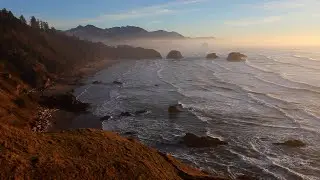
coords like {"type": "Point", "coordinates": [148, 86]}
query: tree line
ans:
{"type": "Point", "coordinates": [33, 22]}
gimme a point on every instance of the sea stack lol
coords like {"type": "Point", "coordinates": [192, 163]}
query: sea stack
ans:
{"type": "Point", "coordinates": [174, 54]}
{"type": "Point", "coordinates": [236, 56]}
{"type": "Point", "coordinates": [195, 141]}
{"type": "Point", "coordinates": [212, 56]}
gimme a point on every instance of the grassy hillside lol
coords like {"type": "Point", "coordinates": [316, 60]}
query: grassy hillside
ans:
{"type": "Point", "coordinates": [36, 55]}
{"type": "Point", "coordinates": [32, 58]}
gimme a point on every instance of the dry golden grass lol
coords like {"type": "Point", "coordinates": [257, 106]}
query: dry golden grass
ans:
{"type": "Point", "coordinates": [84, 154]}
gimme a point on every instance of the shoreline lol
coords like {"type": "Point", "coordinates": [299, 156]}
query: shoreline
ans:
{"type": "Point", "coordinates": [55, 120]}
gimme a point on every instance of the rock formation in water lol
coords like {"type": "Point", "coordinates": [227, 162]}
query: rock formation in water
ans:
{"type": "Point", "coordinates": [173, 109]}
{"type": "Point", "coordinates": [292, 143]}
{"type": "Point", "coordinates": [67, 102]}
{"type": "Point", "coordinates": [236, 56]}
{"type": "Point", "coordinates": [174, 55]}
{"type": "Point", "coordinates": [192, 140]}
{"type": "Point", "coordinates": [97, 82]}
{"type": "Point", "coordinates": [104, 118]}
{"type": "Point", "coordinates": [212, 56]}
{"type": "Point", "coordinates": [117, 82]}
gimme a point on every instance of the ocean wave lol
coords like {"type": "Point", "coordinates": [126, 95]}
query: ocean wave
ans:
{"type": "Point", "coordinates": [291, 171]}
{"type": "Point", "coordinates": [289, 63]}
{"type": "Point", "coordinates": [303, 57]}
{"type": "Point", "coordinates": [249, 63]}
{"type": "Point", "coordinates": [299, 82]}
{"type": "Point", "coordinates": [83, 92]}
{"type": "Point", "coordinates": [308, 87]}
{"type": "Point", "coordinates": [256, 163]}
{"type": "Point", "coordinates": [276, 107]}
{"type": "Point", "coordinates": [283, 76]}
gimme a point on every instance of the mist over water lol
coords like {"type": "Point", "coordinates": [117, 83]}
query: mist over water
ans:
{"type": "Point", "coordinates": [272, 97]}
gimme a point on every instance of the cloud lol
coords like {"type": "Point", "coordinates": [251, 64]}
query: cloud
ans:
{"type": "Point", "coordinates": [132, 14]}
{"type": "Point", "coordinates": [172, 7]}
{"type": "Point", "coordinates": [282, 4]}
{"type": "Point", "coordinates": [250, 22]}
{"type": "Point", "coordinates": [287, 5]}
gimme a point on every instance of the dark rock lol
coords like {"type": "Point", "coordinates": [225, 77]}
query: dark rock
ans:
{"type": "Point", "coordinates": [175, 108]}
{"type": "Point", "coordinates": [236, 56]}
{"type": "Point", "coordinates": [246, 177]}
{"type": "Point", "coordinates": [174, 55]}
{"type": "Point", "coordinates": [107, 117]}
{"type": "Point", "coordinates": [192, 140]}
{"type": "Point", "coordinates": [96, 82]}
{"type": "Point", "coordinates": [76, 84]}
{"type": "Point", "coordinates": [141, 112]}
{"type": "Point", "coordinates": [212, 56]}
{"type": "Point", "coordinates": [126, 114]}
{"type": "Point", "coordinates": [129, 133]}
{"type": "Point", "coordinates": [67, 102]}
{"type": "Point", "coordinates": [292, 143]}
{"type": "Point", "coordinates": [156, 85]}
{"type": "Point", "coordinates": [117, 82]}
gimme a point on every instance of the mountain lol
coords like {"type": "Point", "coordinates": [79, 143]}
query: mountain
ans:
{"type": "Point", "coordinates": [90, 32]}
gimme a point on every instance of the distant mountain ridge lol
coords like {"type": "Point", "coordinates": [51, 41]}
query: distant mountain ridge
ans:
{"type": "Point", "coordinates": [90, 32]}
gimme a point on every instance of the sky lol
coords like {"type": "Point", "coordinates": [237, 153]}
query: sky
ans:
{"type": "Point", "coordinates": [254, 21]}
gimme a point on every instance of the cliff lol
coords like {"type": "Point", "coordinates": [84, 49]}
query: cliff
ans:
{"type": "Point", "coordinates": [32, 59]}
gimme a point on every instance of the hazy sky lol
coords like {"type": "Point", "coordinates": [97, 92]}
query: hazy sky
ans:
{"type": "Point", "coordinates": [270, 21]}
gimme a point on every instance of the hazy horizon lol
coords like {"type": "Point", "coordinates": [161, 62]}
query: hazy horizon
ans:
{"type": "Point", "coordinates": [249, 22]}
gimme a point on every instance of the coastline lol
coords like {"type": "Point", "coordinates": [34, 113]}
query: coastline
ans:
{"type": "Point", "coordinates": [55, 120]}
{"type": "Point", "coordinates": [58, 122]}
{"type": "Point", "coordinates": [39, 69]}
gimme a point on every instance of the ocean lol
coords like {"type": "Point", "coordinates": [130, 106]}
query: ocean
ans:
{"type": "Point", "coordinates": [272, 97]}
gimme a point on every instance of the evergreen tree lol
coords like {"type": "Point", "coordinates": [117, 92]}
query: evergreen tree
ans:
{"type": "Point", "coordinates": [34, 23]}
{"type": "Point", "coordinates": [53, 29]}
{"type": "Point", "coordinates": [22, 19]}
{"type": "Point", "coordinates": [39, 24]}
{"type": "Point", "coordinates": [45, 26]}
{"type": "Point", "coordinates": [4, 10]}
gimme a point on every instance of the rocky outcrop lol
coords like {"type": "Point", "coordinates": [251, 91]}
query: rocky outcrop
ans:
{"type": "Point", "coordinates": [125, 114]}
{"type": "Point", "coordinates": [192, 140]}
{"type": "Point", "coordinates": [139, 112]}
{"type": "Point", "coordinates": [236, 56]}
{"type": "Point", "coordinates": [292, 143]}
{"type": "Point", "coordinates": [97, 82]}
{"type": "Point", "coordinates": [67, 102]}
{"type": "Point", "coordinates": [117, 82]}
{"type": "Point", "coordinates": [177, 108]}
{"type": "Point", "coordinates": [212, 56]}
{"type": "Point", "coordinates": [174, 55]}
{"type": "Point", "coordinates": [104, 118]}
